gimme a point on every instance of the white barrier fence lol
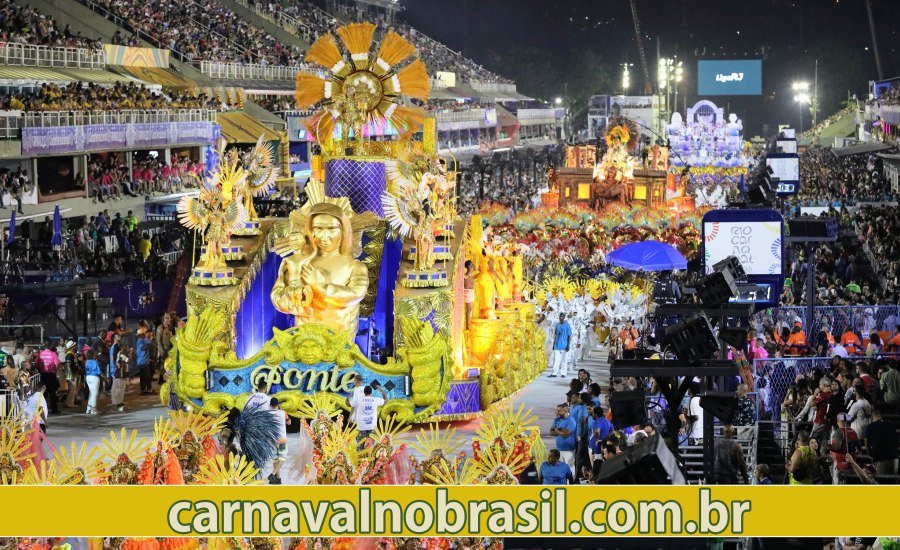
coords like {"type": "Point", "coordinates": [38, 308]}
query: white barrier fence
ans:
{"type": "Point", "coordinates": [30, 55]}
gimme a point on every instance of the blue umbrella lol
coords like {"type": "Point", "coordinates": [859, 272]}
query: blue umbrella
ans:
{"type": "Point", "coordinates": [12, 228]}
{"type": "Point", "coordinates": [647, 256]}
{"type": "Point", "coordinates": [56, 239]}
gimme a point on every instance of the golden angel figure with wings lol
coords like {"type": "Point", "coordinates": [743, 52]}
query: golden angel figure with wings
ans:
{"type": "Point", "coordinates": [259, 164]}
{"type": "Point", "coordinates": [410, 209]}
{"type": "Point", "coordinates": [215, 213]}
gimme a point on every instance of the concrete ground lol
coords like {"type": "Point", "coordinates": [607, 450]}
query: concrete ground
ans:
{"type": "Point", "coordinates": [541, 396]}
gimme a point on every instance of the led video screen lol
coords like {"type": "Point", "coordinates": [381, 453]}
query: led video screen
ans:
{"type": "Point", "coordinates": [729, 77]}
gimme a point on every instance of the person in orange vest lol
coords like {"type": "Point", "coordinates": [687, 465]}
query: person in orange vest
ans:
{"type": "Point", "coordinates": [893, 345]}
{"type": "Point", "coordinates": [851, 343]}
{"type": "Point", "coordinates": [796, 342]}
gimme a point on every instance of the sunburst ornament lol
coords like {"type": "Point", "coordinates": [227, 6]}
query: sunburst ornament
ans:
{"type": "Point", "coordinates": [360, 86]}
{"type": "Point", "coordinates": [15, 448]}
{"type": "Point", "coordinates": [236, 470]}
{"type": "Point", "coordinates": [123, 452]}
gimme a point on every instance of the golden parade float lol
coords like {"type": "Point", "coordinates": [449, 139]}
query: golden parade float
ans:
{"type": "Point", "coordinates": [616, 177]}
{"type": "Point", "coordinates": [367, 278]}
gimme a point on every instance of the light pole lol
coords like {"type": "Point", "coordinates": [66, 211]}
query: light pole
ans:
{"type": "Point", "coordinates": [626, 77]}
{"type": "Point", "coordinates": [669, 75]}
{"type": "Point", "coordinates": [679, 74]}
{"type": "Point", "coordinates": [801, 96]}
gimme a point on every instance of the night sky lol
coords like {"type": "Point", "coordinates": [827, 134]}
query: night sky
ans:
{"type": "Point", "coordinates": [542, 44]}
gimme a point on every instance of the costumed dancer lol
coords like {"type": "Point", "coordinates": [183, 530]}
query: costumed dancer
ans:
{"type": "Point", "coordinates": [258, 433]}
{"type": "Point", "coordinates": [469, 289]}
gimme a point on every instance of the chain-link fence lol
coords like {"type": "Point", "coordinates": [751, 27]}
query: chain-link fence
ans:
{"type": "Point", "coordinates": [838, 318]}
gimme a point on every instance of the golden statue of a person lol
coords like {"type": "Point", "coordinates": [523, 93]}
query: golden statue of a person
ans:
{"type": "Point", "coordinates": [323, 283]}
{"type": "Point", "coordinates": [485, 291]}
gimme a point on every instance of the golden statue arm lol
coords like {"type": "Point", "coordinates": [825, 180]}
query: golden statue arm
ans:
{"type": "Point", "coordinates": [344, 295]}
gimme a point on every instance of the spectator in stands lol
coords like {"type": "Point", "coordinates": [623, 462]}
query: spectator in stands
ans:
{"type": "Point", "coordinates": [746, 410]}
{"type": "Point", "coordinates": [890, 385]}
{"type": "Point", "coordinates": [803, 465]}
{"type": "Point", "coordinates": [844, 441]}
{"type": "Point", "coordinates": [860, 412]}
{"type": "Point", "coordinates": [881, 443]}
{"type": "Point", "coordinates": [818, 402]}
{"type": "Point", "coordinates": [761, 473]}
{"type": "Point", "coordinates": [729, 459]}
{"type": "Point", "coordinates": [27, 25]}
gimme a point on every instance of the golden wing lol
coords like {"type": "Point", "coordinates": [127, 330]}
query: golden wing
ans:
{"type": "Point", "coordinates": [399, 214]}
{"type": "Point", "coordinates": [401, 174]}
{"type": "Point", "coordinates": [234, 214]}
{"type": "Point", "coordinates": [262, 184]}
{"type": "Point", "coordinates": [193, 213]}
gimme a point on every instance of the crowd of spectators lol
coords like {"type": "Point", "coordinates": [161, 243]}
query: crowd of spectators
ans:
{"type": "Point", "coordinates": [837, 424]}
{"type": "Point", "coordinates": [826, 179]}
{"type": "Point", "coordinates": [879, 230]}
{"type": "Point", "coordinates": [276, 103]}
{"type": "Point", "coordinates": [101, 245]}
{"type": "Point", "coordinates": [108, 177]}
{"type": "Point", "coordinates": [23, 24]}
{"type": "Point", "coordinates": [204, 30]}
{"type": "Point", "coordinates": [891, 96]}
{"type": "Point", "coordinates": [89, 96]}
{"type": "Point", "coordinates": [517, 184]}
{"type": "Point", "coordinates": [437, 57]}
{"type": "Point", "coordinates": [65, 367]}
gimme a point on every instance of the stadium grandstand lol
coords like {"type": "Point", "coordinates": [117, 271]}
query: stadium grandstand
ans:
{"type": "Point", "coordinates": [111, 107]}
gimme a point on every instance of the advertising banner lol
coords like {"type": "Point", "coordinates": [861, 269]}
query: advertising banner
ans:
{"type": "Point", "coordinates": [50, 141]}
{"type": "Point", "coordinates": [110, 137]}
{"type": "Point", "coordinates": [104, 137]}
{"type": "Point", "coordinates": [149, 134]}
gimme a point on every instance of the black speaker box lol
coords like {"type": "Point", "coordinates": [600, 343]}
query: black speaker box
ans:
{"type": "Point", "coordinates": [628, 408]}
{"type": "Point", "coordinates": [647, 463]}
{"type": "Point", "coordinates": [722, 405]}
{"type": "Point", "coordinates": [813, 227]}
{"type": "Point", "coordinates": [735, 337]}
{"type": "Point", "coordinates": [692, 339]}
{"type": "Point", "coordinates": [732, 265]}
{"type": "Point", "coordinates": [717, 288]}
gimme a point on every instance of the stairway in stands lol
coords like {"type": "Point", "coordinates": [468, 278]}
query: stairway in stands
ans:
{"type": "Point", "coordinates": [769, 452]}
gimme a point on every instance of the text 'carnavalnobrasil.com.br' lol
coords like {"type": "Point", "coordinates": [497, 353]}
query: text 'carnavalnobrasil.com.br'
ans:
{"type": "Point", "coordinates": [547, 515]}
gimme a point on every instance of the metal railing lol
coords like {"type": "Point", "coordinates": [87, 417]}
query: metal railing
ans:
{"type": "Point", "coordinates": [839, 318]}
{"type": "Point", "coordinates": [241, 71]}
{"type": "Point", "coordinates": [171, 257]}
{"type": "Point", "coordinates": [533, 117]}
{"type": "Point", "coordinates": [31, 55]}
{"type": "Point", "coordinates": [13, 399]}
{"type": "Point", "coordinates": [10, 124]}
{"type": "Point", "coordinates": [44, 119]}
{"type": "Point", "coordinates": [692, 455]}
